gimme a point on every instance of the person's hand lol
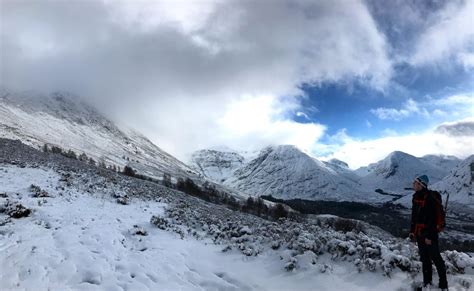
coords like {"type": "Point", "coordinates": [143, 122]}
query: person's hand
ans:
{"type": "Point", "coordinates": [427, 241]}
{"type": "Point", "coordinates": [412, 236]}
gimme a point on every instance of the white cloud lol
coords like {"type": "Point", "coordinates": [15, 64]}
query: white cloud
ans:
{"type": "Point", "coordinates": [457, 106]}
{"type": "Point", "coordinates": [178, 71]}
{"type": "Point", "coordinates": [450, 37]}
{"type": "Point", "coordinates": [302, 114]}
{"type": "Point", "coordinates": [255, 121]}
{"type": "Point", "coordinates": [409, 108]}
{"type": "Point", "coordinates": [359, 153]}
{"type": "Point", "coordinates": [463, 100]}
{"type": "Point", "coordinates": [188, 16]}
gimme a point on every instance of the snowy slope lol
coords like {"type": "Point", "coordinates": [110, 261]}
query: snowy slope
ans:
{"type": "Point", "coordinates": [64, 120]}
{"type": "Point", "coordinates": [459, 183]}
{"type": "Point", "coordinates": [216, 165]}
{"type": "Point", "coordinates": [286, 172]}
{"type": "Point", "coordinates": [441, 161]}
{"type": "Point", "coordinates": [342, 168]}
{"type": "Point", "coordinates": [397, 171]}
{"type": "Point", "coordinates": [78, 238]}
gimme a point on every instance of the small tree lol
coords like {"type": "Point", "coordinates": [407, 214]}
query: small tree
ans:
{"type": "Point", "coordinates": [129, 171]}
{"type": "Point", "coordinates": [45, 148]}
{"type": "Point", "coordinates": [250, 203]}
{"type": "Point", "coordinates": [102, 163]}
{"type": "Point", "coordinates": [83, 157]}
{"type": "Point", "coordinates": [92, 162]}
{"type": "Point", "coordinates": [261, 207]}
{"type": "Point", "coordinates": [56, 150]}
{"type": "Point", "coordinates": [70, 154]}
{"type": "Point", "coordinates": [279, 211]}
{"type": "Point", "coordinates": [167, 180]}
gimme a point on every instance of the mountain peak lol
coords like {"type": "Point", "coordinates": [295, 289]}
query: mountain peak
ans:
{"type": "Point", "coordinates": [338, 163]}
{"type": "Point", "coordinates": [398, 155]}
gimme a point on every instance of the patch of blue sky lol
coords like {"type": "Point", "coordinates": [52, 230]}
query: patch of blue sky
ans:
{"type": "Point", "coordinates": [352, 106]}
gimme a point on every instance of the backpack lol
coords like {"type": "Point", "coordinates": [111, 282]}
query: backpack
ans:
{"type": "Point", "coordinates": [440, 211]}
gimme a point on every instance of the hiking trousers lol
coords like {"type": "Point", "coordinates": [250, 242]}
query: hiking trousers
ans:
{"type": "Point", "coordinates": [428, 254]}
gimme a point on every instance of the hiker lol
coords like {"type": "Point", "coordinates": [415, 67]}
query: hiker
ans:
{"type": "Point", "coordinates": [424, 230]}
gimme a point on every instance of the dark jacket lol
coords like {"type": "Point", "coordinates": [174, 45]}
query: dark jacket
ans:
{"type": "Point", "coordinates": [423, 215]}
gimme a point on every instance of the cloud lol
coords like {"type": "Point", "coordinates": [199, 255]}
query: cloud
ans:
{"type": "Point", "coordinates": [459, 128]}
{"type": "Point", "coordinates": [463, 100]}
{"type": "Point", "coordinates": [409, 108]}
{"type": "Point", "coordinates": [449, 38]}
{"type": "Point", "coordinates": [449, 139]}
{"type": "Point", "coordinates": [302, 114]}
{"type": "Point", "coordinates": [458, 106]}
{"type": "Point", "coordinates": [259, 119]}
{"type": "Point", "coordinates": [177, 71]}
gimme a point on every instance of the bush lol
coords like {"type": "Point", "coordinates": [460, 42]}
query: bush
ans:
{"type": "Point", "coordinates": [92, 162]}
{"type": "Point", "coordinates": [279, 211]}
{"type": "Point", "coordinates": [37, 191]}
{"type": "Point", "coordinates": [188, 186]}
{"type": "Point", "coordinates": [127, 170]}
{"type": "Point", "coordinates": [346, 225]}
{"type": "Point", "coordinates": [56, 150]}
{"type": "Point", "coordinates": [70, 154]}
{"type": "Point", "coordinates": [83, 157]}
{"type": "Point", "coordinates": [167, 180]}
{"type": "Point", "coordinates": [124, 200]}
{"type": "Point", "coordinates": [15, 210]}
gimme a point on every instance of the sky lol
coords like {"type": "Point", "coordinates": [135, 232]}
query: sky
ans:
{"type": "Point", "coordinates": [346, 79]}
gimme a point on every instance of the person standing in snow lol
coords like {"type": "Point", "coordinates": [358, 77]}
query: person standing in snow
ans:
{"type": "Point", "coordinates": [424, 231]}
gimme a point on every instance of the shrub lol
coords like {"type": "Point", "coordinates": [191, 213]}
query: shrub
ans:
{"type": "Point", "coordinates": [83, 157]}
{"type": "Point", "coordinates": [167, 180]}
{"type": "Point", "coordinates": [127, 170]}
{"type": "Point", "coordinates": [346, 225]}
{"type": "Point", "coordinates": [56, 150]}
{"type": "Point", "coordinates": [279, 211]}
{"type": "Point", "coordinates": [70, 154]}
{"type": "Point", "coordinates": [92, 162]}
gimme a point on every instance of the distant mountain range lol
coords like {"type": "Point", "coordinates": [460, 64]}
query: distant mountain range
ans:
{"type": "Point", "coordinates": [285, 172]}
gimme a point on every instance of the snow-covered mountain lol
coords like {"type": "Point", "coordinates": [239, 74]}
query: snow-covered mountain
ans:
{"type": "Point", "coordinates": [396, 172]}
{"type": "Point", "coordinates": [342, 168]}
{"type": "Point", "coordinates": [216, 165]}
{"type": "Point", "coordinates": [441, 161]}
{"type": "Point", "coordinates": [459, 183]}
{"type": "Point", "coordinates": [286, 172]}
{"type": "Point", "coordinates": [64, 120]}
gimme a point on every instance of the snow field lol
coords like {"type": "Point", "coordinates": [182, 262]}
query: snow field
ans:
{"type": "Point", "coordinates": [75, 240]}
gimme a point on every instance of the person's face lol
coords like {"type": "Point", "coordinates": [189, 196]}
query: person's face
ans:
{"type": "Point", "coordinates": [417, 186]}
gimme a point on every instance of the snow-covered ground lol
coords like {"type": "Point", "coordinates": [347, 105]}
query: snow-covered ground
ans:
{"type": "Point", "coordinates": [80, 238]}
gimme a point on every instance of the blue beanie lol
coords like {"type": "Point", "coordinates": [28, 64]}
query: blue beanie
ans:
{"type": "Point", "coordinates": [423, 179]}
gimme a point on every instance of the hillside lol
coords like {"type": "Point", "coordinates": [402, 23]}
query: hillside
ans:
{"type": "Point", "coordinates": [64, 120]}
